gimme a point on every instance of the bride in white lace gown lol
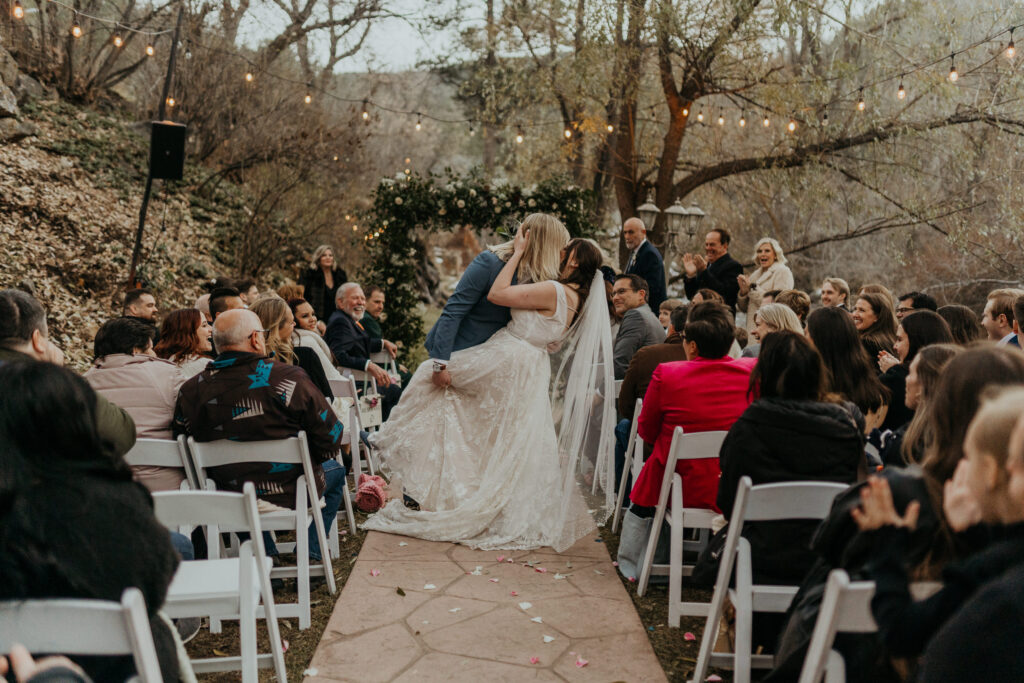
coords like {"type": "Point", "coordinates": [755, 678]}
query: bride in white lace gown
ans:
{"type": "Point", "coordinates": [482, 457]}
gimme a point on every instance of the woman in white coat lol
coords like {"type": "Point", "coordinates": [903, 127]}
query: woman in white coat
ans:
{"type": "Point", "coordinates": [771, 273]}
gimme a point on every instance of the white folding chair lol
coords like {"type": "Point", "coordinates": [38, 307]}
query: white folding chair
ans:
{"type": "Point", "coordinates": [229, 588]}
{"type": "Point", "coordinates": [845, 607]}
{"type": "Point", "coordinates": [162, 453]}
{"type": "Point", "coordinates": [72, 626]}
{"type": "Point", "coordinates": [618, 387]}
{"type": "Point", "coordinates": [294, 451]}
{"type": "Point", "coordinates": [346, 388]}
{"type": "Point", "coordinates": [631, 467]}
{"type": "Point", "coordinates": [695, 446]}
{"type": "Point", "coordinates": [763, 503]}
{"type": "Point", "coordinates": [384, 359]}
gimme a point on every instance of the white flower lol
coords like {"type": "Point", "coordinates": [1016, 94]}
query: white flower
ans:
{"type": "Point", "coordinates": [391, 280]}
{"type": "Point", "coordinates": [494, 200]}
{"type": "Point", "coordinates": [472, 192]}
{"type": "Point", "coordinates": [554, 207]}
{"type": "Point", "coordinates": [508, 204]}
{"type": "Point", "coordinates": [497, 209]}
{"type": "Point", "coordinates": [398, 200]}
{"type": "Point", "coordinates": [461, 204]}
{"type": "Point", "coordinates": [531, 203]}
{"type": "Point", "coordinates": [442, 211]}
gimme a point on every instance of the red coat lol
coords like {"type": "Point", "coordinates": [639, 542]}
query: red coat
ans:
{"type": "Point", "coordinates": [700, 395]}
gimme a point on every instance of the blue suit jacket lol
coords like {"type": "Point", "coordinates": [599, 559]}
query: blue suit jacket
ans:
{"type": "Point", "coordinates": [650, 266]}
{"type": "Point", "coordinates": [469, 318]}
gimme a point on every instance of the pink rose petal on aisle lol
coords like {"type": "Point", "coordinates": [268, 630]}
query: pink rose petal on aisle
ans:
{"type": "Point", "coordinates": [493, 580]}
{"type": "Point", "coordinates": [374, 572]}
{"type": "Point", "coordinates": [501, 558]}
{"type": "Point", "coordinates": [513, 593]}
{"type": "Point", "coordinates": [284, 645]}
{"type": "Point", "coordinates": [541, 570]}
{"type": "Point", "coordinates": [534, 660]}
{"type": "Point", "coordinates": [510, 560]}
{"type": "Point", "coordinates": [580, 662]}
{"type": "Point", "coordinates": [614, 563]}
{"type": "Point", "coordinates": [689, 636]}
{"type": "Point", "coordinates": [713, 678]}
{"type": "Point", "coordinates": [632, 579]}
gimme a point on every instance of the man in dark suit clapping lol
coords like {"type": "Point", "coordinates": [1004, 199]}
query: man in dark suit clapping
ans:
{"type": "Point", "coordinates": [718, 271]}
{"type": "Point", "coordinates": [352, 345]}
{"type": "Point", "coordinates": [644, 260]}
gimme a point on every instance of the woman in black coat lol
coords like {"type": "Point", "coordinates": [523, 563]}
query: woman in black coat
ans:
{"type": "Point", "coordinates": [321, 282]}
{"type": "Point", "coordinates": [791, 432]}
{"type": "Point", "coordinates": [73, 524]}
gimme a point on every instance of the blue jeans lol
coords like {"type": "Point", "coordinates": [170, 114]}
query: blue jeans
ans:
{"type": "Point", "coordinates": [334, 475]}
{"type": "Point", "coordinates": [621, 441]}
{"type": "Point", "coordinates": [183, 544]}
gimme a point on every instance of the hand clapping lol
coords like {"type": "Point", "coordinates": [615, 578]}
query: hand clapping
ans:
{"type": "Point", "coordinates": [877, 510]}
{"type": "Point", "coordinates": [744, 283]}
{"type": "Point", "coordinates": [960, 506]}
{"type": "Point", "coordinates": [886, 360]}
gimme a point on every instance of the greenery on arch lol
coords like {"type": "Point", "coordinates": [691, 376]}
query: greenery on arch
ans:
{"type": "Point", "coordinates": [405, 210]}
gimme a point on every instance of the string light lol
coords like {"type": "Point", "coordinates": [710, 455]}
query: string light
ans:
{"type": "Point", "coordinates": [700, 117]}
{"type": "Point", "coordinates": [860, 102]}
{"type": "Point", "coordinates": [76, 30]}
{"type": "Point", "coordinates": [519, 136]}
{"type": "Point", "coordinates": [336, 158]}
{"type": "Point", "coordinates": [567, 133]}
{"type": "Point", "coordinates": [171, 102]}
{"type": "Point", "coordinates": [419, 122]}
{"type": "Point", "coordinates": [901, 92]}
{"type": "Point", "coordinates": [308, 99]}
{"type": "Point", "coordinates": [1011, 51]}
{"type": "Point", "coordinates": [150, 51]}
{"type": "Point", "coordinates": [953, 75]}
{"type": "Point", "coordinates": [610, 128]}
{"type": "Point", "coordinates": [743, 120]}
{"type": "Point", "coordinates": [824, 118]}
{"type": "Point", "coordinates": [366, 113]}
{"type": "Point", "coordinates": [248, 77]}
{"type": "Point", "coordinates": [19, 13]}
{"type": "Point", "coordinates": [118, 41]}
{"type": "Point", "coordinates": [721, 118]}
{"type": "Point", "coordinates": [792, 125]}
{"type": "Point", "coordinates": [767, 122]}
{"type": "Point", "coordinates": [472, 131]}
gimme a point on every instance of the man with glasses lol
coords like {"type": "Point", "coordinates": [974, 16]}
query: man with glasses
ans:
{"type": "Point", "coordinates": [639, 326]}
{"type": "Point", "coordinates": [914, 301]}
{"type": "Point", "coordinates": [244, 395]}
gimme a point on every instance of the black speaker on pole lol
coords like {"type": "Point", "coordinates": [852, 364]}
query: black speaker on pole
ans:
{"type": "Point", "coordinates": [167, 150]}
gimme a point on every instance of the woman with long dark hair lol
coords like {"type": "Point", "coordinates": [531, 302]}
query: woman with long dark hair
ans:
{"type": "Point", "coordinates": [186, 340]}
{"type": "Point", "coordinates": [875, 320]}
{"type": "Point", "coordinates": [73, 524]}
{"type": "Point", "coordinates": [963, 323]}
{"type": "Point", "coordinates": [915, 332]}
{"type": "Point", "coordinates": [850, 371]}
{"type": "Point", "coordinates": [276, 317]}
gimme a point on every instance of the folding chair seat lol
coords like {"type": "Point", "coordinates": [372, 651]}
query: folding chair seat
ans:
{"type": "Point", "coordinates": [162, 453]}
{"type": "Point", "coordinates": [229, 588]}
{"type": "Point", "coordinates": [695, 446]}
{"type": "Point", "coordinates": [294, 450]}
{"type": "Point", "coordinates": [71, 626]}
{"type": "Point", "coordinates": [845, 607]}
{"type": "Point", "coordinates": [763, 503]}
{"type": "Point", "coordinates": [634, 462]}
{"type": "Point", "coordinates": [346, 388]}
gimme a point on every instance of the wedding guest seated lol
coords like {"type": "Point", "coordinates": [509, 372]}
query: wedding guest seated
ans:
{"type": "Point", "coordinates": [851, 371]}
{"type": "Point", "coordinates": [372, 319]}
{"type": "Point", "coordinates": [875, 321]}
{"type": "Point", "coordinates": [795, 430]}
{"type": "Point", "coordinates": [914, 301]}
{"type": "Point", "coordinates": [963, 323]}
{"type": "Point", "coordinates": [248, 292]}
{"type": "Point", "coordinates": [638, 377]}
{"type": "Point", "coordinates": [246, 396]}
{"type": "Point", "coordinates": [905, 445]}
{"type": "Point", "coordinates": [73, 524]}
{"type": "Point", "coordinates": [276, 317]}
{"type": "Point", "coordinates": [203, 306]}
{"type": "Point", "coordinates": [706, 392]}
{"type": "Point", "coordinates": [352, 345]}
{"type": "Point", "coordinates": [290, 291]}
{"type": "Point", "coordinates": [771, 318]}
{"type": "Point", "coordinates": [307, 336]}
{"type": "Point", "coordinates": [704, 295]}
{"type": "Point", "coordinates": [224, 299]}
{"type": "Point", "coordinates": [665, 309]}
{"type": "Point", "coordinates": [997, 318]}
{"type": "Point", "coordinates": [835, 292]}
{"type": "Point", "coordinates": [127, 372]}
{"type": "Point", "coordinates": [742, 338]}
{"type": "Point", "coordinates": [916, 331]}
{"type": "Point", "coordinates": [141, 305]}
{"type": "Point", "coordinates": [769, 296]}
{"type": "Point", "coordinates": [639, 326]}
{"type": "Point", "coordinates": [883, 291]}
{"type": "Point", "coordinates": [23, 337]}
{"type": "Point", "coordinates": [798, 301]}
{"type": "Point", "coordinates": [185, 340]}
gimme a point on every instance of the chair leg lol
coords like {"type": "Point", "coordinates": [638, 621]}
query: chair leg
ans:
{"type": "Point", "coordinates": [247, 616]}
{"type": "Point", "coordinates": [627, 468]}
{"type": "Point", "coordinates": [744, 614]}
{"type": "Point", "coordinates": [302, 564]}
{"type": "Point", "coordinates": [332, 539]}
{"type": "Point", "coordinates": [675, 571]}
{"type": "Point", "coordinates": [652, 544]}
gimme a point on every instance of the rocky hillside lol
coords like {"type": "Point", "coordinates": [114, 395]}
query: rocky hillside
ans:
{"type": "Point", "coordinates": [71, 183]}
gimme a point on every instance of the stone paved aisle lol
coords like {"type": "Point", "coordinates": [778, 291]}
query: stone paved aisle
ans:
{"type": "Point", "coordinates": [467, 616]}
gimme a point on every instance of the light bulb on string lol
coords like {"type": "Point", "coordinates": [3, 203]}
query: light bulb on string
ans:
{"type": "Point", "coordinates": [19, 12]}
{"type": "Point", "coordinates": [860, 102]}
{"type": "Point", "coordinates": [700, 117]}
{"type": "Point", "coordinates": [792, 125]}
{"type": "Point", "coordinates": [335, 157]}
{"type": "Point", "coordinates": [472, 130]}
{"type": "Point", "coordinates": [308, 99]}
{"type": "Point", "coordinates": [767, 122]}
{"type": "Point", "coordinates": [76, 30]}
{"type": "Point", "coordinates": [743, 120]}
{"type": "Point", "coordinates": [1010, 51]}
{"type": "Point", "coordinates": [171, 102]}
{"type": "Point", "coordinates": [686, 112]}
{"type": "Point", "coordinates": [721, 118]}
{"type": "Point", "coordinates": [248, 77]}
{"type": "Point", "coordinates": [419, 121]}
{"type": "Point", "coordinates": [150, 51]}
{"type": "Point", "coordinates": [953, 74]}
{"type": "Point", "coordinates": [519, 136]}
{"type": "Point", "coordinates": [118, 41]}
{"type": "Point", "coordinates": [610, 128]}
{"type": "Point", "coordinates": [366, 113]}
{"type": "Point", "coordinates": [901, 92]}
{"type": "Point", "coordinates": [567, 133]}
{"type": "Point", "coordinates": [824, 118]}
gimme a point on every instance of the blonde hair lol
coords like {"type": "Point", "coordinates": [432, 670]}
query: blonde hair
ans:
{"type": "Point", "coordinates": [780, 258]}
{"type": "Point", "coordinates": [274, 313]}
{"type": "Point", "coordinates": [993, 424]}
{"type": "Point", "coordinates": [781, 317]}
{"type": "Point", "coordinates": [543, 253]}
{"type": "Point", "coordinates": [317, 253]}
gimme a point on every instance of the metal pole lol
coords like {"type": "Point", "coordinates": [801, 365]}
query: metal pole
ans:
{"type": "Point", "coordinates": [162, 114]}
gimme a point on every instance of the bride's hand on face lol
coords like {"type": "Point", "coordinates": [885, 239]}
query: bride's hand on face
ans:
{"type": "Point", "coordinates": [519, 245]}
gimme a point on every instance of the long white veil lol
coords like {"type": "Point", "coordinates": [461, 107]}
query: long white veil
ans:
{"type": "Point", "coordinates": [583, 400]}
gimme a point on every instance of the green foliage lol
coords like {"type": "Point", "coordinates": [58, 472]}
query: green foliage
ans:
{"type": "Point", "coordinates": [405, 210]}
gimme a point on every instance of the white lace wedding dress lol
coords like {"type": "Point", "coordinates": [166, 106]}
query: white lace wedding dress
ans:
{"type": "Point", "coordinates": [482, 457]}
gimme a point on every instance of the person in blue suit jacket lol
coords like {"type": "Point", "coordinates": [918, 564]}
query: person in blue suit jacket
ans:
{"type": "Point", "coordinates": [644, 260]}
{"type": "Point", "coordinates": [468, 317]}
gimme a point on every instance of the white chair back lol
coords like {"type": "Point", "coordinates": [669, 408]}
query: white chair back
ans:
{"type": "Point", "coordinates": [83, 627]}
{"type": "Point", "coordinates": [630, 466]}
{"type": "Point", "coordinates": [161, 453]}
{"type": "Point", "coordinates": [845, 607]}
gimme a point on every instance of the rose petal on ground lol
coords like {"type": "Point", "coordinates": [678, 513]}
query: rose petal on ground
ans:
{"type": "Point", "coordinates": [513, 593]}
{"type": "Point", "coordinates": [493, 580]}
{"type": "Point", "coordinates": [525, 605]}
{"type": "Point", "coordinates": [580, 662]}
{"type": "Point", "coordinates": [311, 672]}
{"type": "Point", "coordinates": [614, 563]}
{"type": "Point", "coordinates": [538, 620]}
{"type": "Point", "coordinates": [402, 544]}
{"type": "Point", "coordinates": [453, 610]}
{"type": "Point", "coordinates": [510, 560]}
{"type": "Point", "coordinates": [533, 660]}
{"type": "Point", "coordinates": [430, 587]}
{"type": "Point", "coordinates": [549, 639]}
{"type": "Point", "coordinates": [284, 645]}
{"type": "Point", "coordinates": [689, 636]}
{"type": "Point", "coordinates": [713, 678]}
{"type": "Point", "coordinates": [632, 579]}
{"type": "Point", "coordinates": [598, 571]}
{"type": "Point", "coordinates": [561, 576]}
{"type": "Point", "coordinates": [374, 572]}
{"type": "Point", "coordinates": [541, 570]}
{"type": "Point", "coordinates": [501, 558]}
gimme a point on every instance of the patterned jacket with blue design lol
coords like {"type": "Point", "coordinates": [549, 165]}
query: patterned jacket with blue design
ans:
{"type": "Point", "coordinates": [249, 397]}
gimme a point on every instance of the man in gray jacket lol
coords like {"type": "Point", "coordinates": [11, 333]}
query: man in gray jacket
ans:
{"type": "Point", "coordinates": [639, 326]}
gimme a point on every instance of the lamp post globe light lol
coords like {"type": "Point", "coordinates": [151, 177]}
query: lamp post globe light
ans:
{"type": "Point", "coordinates": [648, 212]}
